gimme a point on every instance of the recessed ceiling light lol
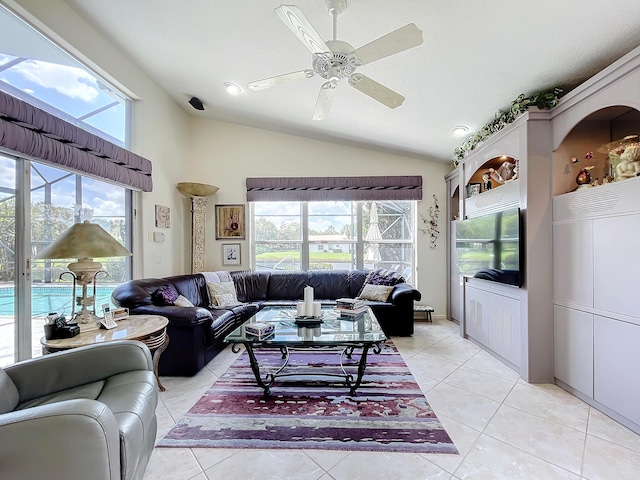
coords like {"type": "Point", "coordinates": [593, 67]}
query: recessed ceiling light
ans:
{"type": "Point", "coordinates": [460, 130]}
{"type": "Point", "coordinates": [232, 88]}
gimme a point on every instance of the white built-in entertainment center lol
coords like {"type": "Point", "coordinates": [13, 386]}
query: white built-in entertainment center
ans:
{"type": "Point", "coordinates": [575, 319]}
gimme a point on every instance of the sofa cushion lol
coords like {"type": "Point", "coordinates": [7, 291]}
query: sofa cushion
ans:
{"type": "Point", "coordinates": [183, 302]}
{"type": "Point", "coordinates": [89, 391]}
{"type": "Point", "coordinates": [287, 285]}
{"type": "Point", "coordinates": [377, 293]}
{"type": "Point", "coordinates": [329, 284]}
{"type": "Point", "coordinates": [382, 277]}
{"type": "Point", "coordinates": [226, 300]}
{"type": "Point", "coordinates": [251, 286]}
{"type": "Point", "coordinates": [164, 295]}
{"type": "Point", "coordinates": [222, 288]}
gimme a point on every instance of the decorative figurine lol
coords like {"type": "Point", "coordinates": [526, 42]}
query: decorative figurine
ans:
{"type": "Point", "coordinates": [487, 181]}
{"type": "Point", "coordinates": [584, 177]}
{"type": "Point", "coordinates": [629, 165]}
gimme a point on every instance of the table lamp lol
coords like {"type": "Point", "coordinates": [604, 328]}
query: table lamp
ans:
{"type": "Point", "coordinates": [84, 241]}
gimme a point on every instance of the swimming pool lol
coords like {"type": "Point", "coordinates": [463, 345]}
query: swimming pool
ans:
{"type": "Point", "coordinates": [52, 298]}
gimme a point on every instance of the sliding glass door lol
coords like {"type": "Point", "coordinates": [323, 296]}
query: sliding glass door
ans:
{"type": "Point", "coordinates": [37, 203]}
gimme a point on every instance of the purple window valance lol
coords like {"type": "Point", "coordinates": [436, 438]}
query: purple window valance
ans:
{"type": "Point", "coordinates": [334, 188]}
{"type": "Point", "coordinates": [29, 131]}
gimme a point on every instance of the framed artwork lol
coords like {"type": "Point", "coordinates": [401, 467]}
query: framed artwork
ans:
{"type": "Point", "coordinates": [163, 216]}
{"type": "Point", "coordinates": [231, 254]}
{"type": "Point", "coordinates": [230, 222]}
{"type": "Point", "coordinates": [473, 189]}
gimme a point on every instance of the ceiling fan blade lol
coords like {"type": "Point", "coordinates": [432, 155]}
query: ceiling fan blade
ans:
{"type": "Point", "coordinates": [397, 41]}
{"type": "Point", "coordinates": [375, 90]}
{"type": "Point", "coordinates": [279, 79]}
{"type": "Point", "coordinates": [293, 18]}
{"type": "Point", "coordinates": [325, 98]}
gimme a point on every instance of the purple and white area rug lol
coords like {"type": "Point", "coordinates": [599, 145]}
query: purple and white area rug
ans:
{"type": "Point", "coordinates": [389, 412]}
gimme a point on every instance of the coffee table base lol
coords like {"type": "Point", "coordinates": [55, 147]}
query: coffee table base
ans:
{"type": "Point", "coordinates": [270, 378]}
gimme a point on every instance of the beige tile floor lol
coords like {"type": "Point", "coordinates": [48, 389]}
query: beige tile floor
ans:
{"type": "Point", "coordinates": [503, 427]}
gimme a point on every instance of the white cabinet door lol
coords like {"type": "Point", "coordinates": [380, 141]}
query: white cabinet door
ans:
{"type": "Point", "coordinates": [573, 262]}
{"type": "Point", "coordinates": [573, 348]}
{"type": "Point", "coordinates": [476, 322]}
{"type": "Point", "coordinates": [617, 366]}
{"type": "Point", "coordinates": [504, 328]}
{"type": "Point", "coordinates": [616, 264]}
{"type": "Point", "coordinates": [494, 321]}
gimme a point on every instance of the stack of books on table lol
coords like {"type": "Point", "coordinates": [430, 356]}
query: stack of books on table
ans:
{"type": "Point", "coordinates": [259, 330]}
{"type": "Point", "coordinates": [350, 307]}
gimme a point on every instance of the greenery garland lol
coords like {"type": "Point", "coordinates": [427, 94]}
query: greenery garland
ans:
{"type": "Point", "coordinates": [544, 100]}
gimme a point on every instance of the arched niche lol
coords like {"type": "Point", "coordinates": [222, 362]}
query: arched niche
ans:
{"type": "Point", "coordinates": [494, 170]}
{"type": "Point", "coordinates": [582, 146]}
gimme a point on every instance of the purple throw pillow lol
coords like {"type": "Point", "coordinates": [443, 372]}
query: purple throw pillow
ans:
{"type": "Point", "coordinates": [382, 277]}
{"type": "Point", "coordinates": [165, 295]}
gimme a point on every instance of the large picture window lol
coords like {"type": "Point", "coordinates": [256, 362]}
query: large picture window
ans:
{"type": "Point", "coordinates": [334, 235]}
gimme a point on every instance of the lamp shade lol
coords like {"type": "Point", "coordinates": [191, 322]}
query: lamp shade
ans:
{"type": "Point", "coordinates": [84, 240]}
{"type": "Point", "coordinates": [197, 189]}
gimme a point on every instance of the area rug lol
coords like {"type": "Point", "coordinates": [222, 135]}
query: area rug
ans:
{"type": "Point", "coordinates": [389, 412]}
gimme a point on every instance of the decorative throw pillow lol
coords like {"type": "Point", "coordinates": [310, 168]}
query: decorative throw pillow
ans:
{"type": "Point", "coordinates": [165, 295]}
{"type": "Point", "coordinates": [226, 300]}
{"type": "Point", "coordinates": [382, 277]}
{"type": "Point", "coordinates": [220, 289]}
{"type": "Point", "coordinates": [183, 302]}
{"type": "Point", "coordinates": [377, 293]}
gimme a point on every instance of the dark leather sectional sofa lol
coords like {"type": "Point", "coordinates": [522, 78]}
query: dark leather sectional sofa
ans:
{"type": "Point", "coordinates": [197, 333]}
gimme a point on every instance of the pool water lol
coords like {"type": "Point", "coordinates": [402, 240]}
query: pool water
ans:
{"type": "Point", "coordinates": [52, 298]}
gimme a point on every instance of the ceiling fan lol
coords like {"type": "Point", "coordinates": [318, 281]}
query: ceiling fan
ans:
{"type": "Point", "coordinates": [334, 60]}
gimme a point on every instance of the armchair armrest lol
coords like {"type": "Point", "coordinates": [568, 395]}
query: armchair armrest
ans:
{"type": "Point", "coordinates": [70, 368]}
{"type": "Point", "coordinates": [42, 442]}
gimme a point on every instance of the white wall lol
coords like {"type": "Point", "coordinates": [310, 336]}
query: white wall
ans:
{"type": "Point", "coordinates": [225, 154]}
{"type": "Point", "coordinates": [187, 148]}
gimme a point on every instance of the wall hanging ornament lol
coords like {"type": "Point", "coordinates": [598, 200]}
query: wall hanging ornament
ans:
{"type": "Point", "coordinates": [430, 225]}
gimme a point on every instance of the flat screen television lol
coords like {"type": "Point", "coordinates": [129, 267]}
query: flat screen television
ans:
{"type": "Point", "coordinates": [488, 247]}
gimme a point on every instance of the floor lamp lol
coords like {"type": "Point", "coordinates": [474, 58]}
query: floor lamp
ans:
{"type": "Point", "coordinates": [84, 241]}
{"type": "Point", "coordinates": [198, 193]}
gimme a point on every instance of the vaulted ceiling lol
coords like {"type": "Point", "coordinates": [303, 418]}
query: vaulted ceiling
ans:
{"type": "Point", "coordinates": [477, 56]}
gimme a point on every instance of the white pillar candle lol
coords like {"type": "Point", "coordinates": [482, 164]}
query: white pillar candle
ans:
{"type": "Point", "coordinates": [317, 309]}
{"type": "Point", "coordinates": [300, 309]}
{"type": "Point", "coordinates": [308, 301]}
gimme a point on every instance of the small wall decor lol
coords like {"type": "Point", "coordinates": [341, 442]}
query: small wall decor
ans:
{"type": "Point", "coordinates": [430, 225]}
{"type": "Point", "coordinates": [231, 254]}
{"type": "Point", "coordinates": [230, 222]}
{"type": "Point", "coordinates": [163, 216]}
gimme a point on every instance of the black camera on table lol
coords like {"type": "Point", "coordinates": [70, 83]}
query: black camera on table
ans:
{"type": "Point", "coordinates": [56, 327]}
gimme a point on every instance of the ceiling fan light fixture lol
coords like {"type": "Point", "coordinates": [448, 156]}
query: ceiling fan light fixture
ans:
{"type": "Point", "coordinates": [460, 130]}
{"type": "Point", "coordinates": [232, 88]}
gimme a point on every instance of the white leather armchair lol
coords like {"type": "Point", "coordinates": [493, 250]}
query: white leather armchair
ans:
{"type": "Point", "coordinates": [86, 413]}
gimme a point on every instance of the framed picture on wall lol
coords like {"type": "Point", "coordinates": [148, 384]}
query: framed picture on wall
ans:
{"type": "Point", "coordinates": [230, 222]}
{"type": "Point", "coordinates": [231, 254]}
{"type": "Point", "coordinates": [163, 216]}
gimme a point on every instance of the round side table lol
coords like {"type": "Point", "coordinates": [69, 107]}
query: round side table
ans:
{"type": "Point", "coordinates": [148, 329]}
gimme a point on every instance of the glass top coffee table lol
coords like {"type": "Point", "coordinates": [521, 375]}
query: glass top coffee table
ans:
{"type": "Point", "coordinates": [344, 335]}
